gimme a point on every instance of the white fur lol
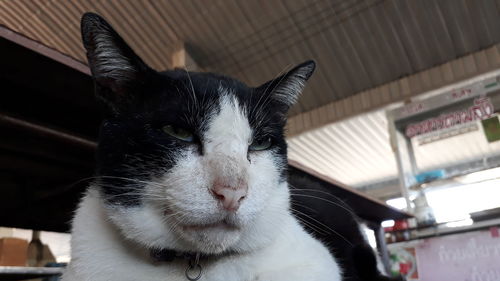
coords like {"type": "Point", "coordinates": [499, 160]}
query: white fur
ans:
{"type": "Point", "coordinates": [265, 241]}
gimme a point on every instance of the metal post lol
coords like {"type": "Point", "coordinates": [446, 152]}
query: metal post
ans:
{"type": "Point", "coordinates": [405, 173]}
{"type": "Point", "coordinates": [382, 247]}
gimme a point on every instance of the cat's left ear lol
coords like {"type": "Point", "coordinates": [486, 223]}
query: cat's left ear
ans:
{"type": "Point", "coordinates": [286, 89]}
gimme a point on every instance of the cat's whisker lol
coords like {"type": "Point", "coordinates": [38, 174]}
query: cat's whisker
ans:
{"type": "Point", "coordinates": [304, 206]}
{"type": "Point", "coordinates": [323, 199]}
{"type": "Point", "coordinates": [316, 228]}
{"type": "Point", "coordinates": [305, 222]}
{"type": "Point", "coordinates": [192, 88]}
{"type": "Point", "coordinates": [312, 224]}
{"type": "Point", "coordinates": [293, 187]}
{"type": "Point", "coordinates": [156, 184]}
{"type": "Point", "coordinates": [324, 225]}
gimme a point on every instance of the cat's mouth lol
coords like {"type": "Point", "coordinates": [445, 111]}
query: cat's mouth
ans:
{"type": "Point", "coordinates": [222, 225]}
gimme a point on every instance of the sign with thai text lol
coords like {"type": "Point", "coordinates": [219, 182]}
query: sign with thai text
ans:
{"type": "Point", "coordinates": [481, 109]}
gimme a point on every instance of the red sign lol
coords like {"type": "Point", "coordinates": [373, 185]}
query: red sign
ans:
{"type": "Point", "coordinates": [482, 109]}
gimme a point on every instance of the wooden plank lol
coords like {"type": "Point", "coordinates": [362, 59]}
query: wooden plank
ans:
{"type": "Point", "coordinates": [366, 98]}
{"type": "Point", "coordinates": [414, 85]}
{"type": "Point", "coordinates": [447, 72]}
{"type": "Point", "coordinates": [458, 68]}
{"type": "Point", "coordinates": [382, 97]}
{"type": "Point", "coordinates": [43, 50]}
{"type": "Point", "coordinates": [469, 65]}
{"type": "Point", "coordinates": [481, 61]}
{"type": "Point", "coordinates": [323, 115]}
{"type": "Point", "coordinates": [307, 119]}
{"type": "Point", "coordinates": [395, 90]}
{"type": "Point", "coordinates": [348, 108]}
{"type": "Point", "coordinates": [332, 112]}
{"type": "Point", "coordinates": [425, 79]}
{"type": "Point", "coordinates": [339, 108]}
{"type": "Point", "coordinates": [385, 94]}
{"type": "Point", "coordinates": [315, 118]}
{"type": "Point", "coordinates": [493, 55]}
{"type": "Point", "coordinates": [357, 105]}
{"type": "Point", "coordinates": [299, 124]}
{"type": "Point", "coordinates": [404, 86]}
{"type": "Point", "coordinates": [291, 125]}
{"type": "Point", "coordinates": [436, 76]}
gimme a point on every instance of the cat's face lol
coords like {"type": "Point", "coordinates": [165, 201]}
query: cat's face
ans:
{"type": "Point", "coordinates": [188, 161]}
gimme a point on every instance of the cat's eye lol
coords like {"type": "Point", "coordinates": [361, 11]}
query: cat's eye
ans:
{"type": "Point", "coordinates": [178, 133]}
{"type": "Point", "coordinates": [260, 144]}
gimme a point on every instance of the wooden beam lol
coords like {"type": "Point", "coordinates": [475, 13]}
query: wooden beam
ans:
{"type": "Point", "coordinates": [43, 49]}
{"type": "Point", "coordinates": [182, 59]}
{"type": "Point", "coordinates": [46, 131]}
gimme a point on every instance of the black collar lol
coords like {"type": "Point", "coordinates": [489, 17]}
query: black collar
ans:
{"type": "Point", "coordinates": [167, 255]}
{"type": "Point", "coordinates": [194, 270]}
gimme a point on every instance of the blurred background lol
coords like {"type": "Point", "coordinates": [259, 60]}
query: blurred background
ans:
{"type": "Point", "coordinates": [400, 118]}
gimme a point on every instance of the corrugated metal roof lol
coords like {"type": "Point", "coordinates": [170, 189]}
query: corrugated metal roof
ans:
{"type": "Point", "coordinates": [358, 44]}
{"type": "Point", "coordinates": [355, 151]}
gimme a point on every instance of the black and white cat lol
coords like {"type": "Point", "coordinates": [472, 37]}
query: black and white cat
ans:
{"type": "Point", "coordinates": [191, 169]}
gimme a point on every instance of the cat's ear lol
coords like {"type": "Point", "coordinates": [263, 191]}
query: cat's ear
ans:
{"type": "Point", "coordinates": [286, 89]}
{"type": "Point", "coordinates": [117, 70]}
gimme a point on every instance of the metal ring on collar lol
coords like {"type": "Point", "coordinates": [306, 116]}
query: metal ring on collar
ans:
{"type": "Point", "coordinates": [191, 269]}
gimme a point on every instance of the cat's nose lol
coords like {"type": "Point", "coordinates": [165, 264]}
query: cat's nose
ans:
{"type": "Point", "coordinates": [230, 196]}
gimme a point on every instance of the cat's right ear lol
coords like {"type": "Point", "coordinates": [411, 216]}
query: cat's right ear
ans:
{"type": "Point", "coordinates": [116, 69]}
{"type": "Point", "coordinates": [286, 89]}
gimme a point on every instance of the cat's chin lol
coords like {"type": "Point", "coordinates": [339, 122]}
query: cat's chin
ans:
{"type": "Point", "coordinates": [211, 238]}
{"type": "Point", "coordinates": [219, 226]}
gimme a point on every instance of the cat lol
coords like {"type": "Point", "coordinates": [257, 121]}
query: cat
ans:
{"type": "Point", "coordinates": [191, 176]}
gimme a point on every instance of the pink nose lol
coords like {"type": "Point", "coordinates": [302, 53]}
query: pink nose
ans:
{"type": "Point", "coordinates": [230, 197]}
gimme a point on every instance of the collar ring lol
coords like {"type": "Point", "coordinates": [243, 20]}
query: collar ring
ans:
{"type": "Point", "coordinates": [194, 269]}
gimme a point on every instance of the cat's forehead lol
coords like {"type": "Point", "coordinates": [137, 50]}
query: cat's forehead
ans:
{"type": "Point", "coordinates": [193, 99]}
{"type": "Point", "coordinates": [207, 91]}
{"type": "Point", "coordinates": [202, 81]}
